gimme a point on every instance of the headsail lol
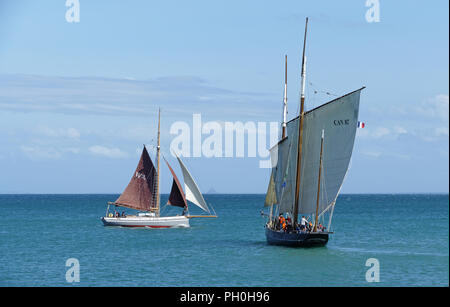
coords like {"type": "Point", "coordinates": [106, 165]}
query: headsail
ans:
{"type": "Point", "coordinates": [139, 194]}
{"type": "Point", "coordinates": [339, 119]}
{"type": "Point", "coordinates": [280, 154]}
{"type": "Point", "coordinates": [193, 193]}
{"type": "Point", "coordinates": [176, 197]}
{"type": "Point", "coordinates": [271, 197]}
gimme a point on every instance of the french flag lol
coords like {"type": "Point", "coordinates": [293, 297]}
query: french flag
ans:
{"type": "Point", "coordinates": [361, 125]}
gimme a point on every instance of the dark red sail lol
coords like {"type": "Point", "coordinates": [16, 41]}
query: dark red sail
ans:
{"type": "Point", "coordinates": [140, 192]}
{"type": "Point", "coordinates": [176, 197]}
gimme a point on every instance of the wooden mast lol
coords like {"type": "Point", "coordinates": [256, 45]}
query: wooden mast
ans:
{"type": "Point", "coordinates": [318, 184]}
{"type": "Point", "coordinates": [300, 129]}
{"type": "Point", "coordinates": [285, 101]}
{"type": "Point", "coordinates": [157, 161]}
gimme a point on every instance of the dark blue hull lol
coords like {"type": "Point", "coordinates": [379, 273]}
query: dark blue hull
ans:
{"type": "Point", "coordinates": [302, 239]}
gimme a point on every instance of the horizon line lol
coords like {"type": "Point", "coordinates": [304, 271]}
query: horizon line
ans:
{"type": "Point", "coordinates": [372, 193]}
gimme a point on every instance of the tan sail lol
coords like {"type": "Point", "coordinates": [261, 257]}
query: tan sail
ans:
{"type": "Point", "coordinates": [271, 197]}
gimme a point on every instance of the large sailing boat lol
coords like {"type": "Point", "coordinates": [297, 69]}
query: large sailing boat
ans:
{"type": "Point", "coordinates": [142, 194]}
{"type": "Point", "coordinates": [309, 166]}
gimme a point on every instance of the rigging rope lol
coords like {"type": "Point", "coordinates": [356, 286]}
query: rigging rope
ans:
{"type": "Point", "coordinates": [317, 90]}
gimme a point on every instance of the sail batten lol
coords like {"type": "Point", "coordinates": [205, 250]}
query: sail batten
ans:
{"type": "Point", "coordinates": [193, 193]}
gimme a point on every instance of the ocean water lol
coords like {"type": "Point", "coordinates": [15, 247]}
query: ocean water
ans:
{"type": "Point", "coordinates": [407, 234]}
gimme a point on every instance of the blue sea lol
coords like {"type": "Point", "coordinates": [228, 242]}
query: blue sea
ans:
{"type": "Point", "coordinates": [407, 234]}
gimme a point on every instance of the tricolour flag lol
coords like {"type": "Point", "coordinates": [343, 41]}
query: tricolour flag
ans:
{"type": "Point", "coordinates": [361, 125]}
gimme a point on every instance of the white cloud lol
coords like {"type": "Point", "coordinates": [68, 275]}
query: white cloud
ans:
{"type": "Point", "coordinates": [441, 131]}
{"type": "Point", "coordinates": [35, 152]}
{"type": "Point", "coordinates": [380, 132]}
{"type": "Point", "coordinates": [71, 133]}
{"type": "Point", "coordinates": [437, 107]}
{"type": "Point", "coordinates": [373, 154]}
{"type": "Point", "coordinates": [378, 154]}
{"type": "Point", "coordinates": [400, 130]}
{"type": "Point", "coordinates": [426, 121]}
{"type": "Point", "coordinates": [113, 153]}
{"type": "Point", "coordinates": [125, 97]}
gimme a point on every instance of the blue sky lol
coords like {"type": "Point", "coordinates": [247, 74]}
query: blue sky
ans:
{"type": "Point", "coordinates": [78, 100]}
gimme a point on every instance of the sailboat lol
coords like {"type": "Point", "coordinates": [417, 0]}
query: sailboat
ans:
{"type": "Point", "coordinates": [309, 165]}
{"type": "Point", "coordinates": [142, 194]}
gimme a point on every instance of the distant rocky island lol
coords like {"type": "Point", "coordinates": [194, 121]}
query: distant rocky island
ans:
{"type": "Point", "coordinates": [211, 191]}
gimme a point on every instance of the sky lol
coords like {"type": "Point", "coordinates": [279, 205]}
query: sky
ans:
{"type": "Point", "coordinates": [79, 99]}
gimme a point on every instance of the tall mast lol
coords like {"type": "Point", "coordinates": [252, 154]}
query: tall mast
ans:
{"type": "Point", "coordinates": [285, 101]}
{"type": "Point", "coordinates": [318, 184]}
{"type": "Point", "coordinates": [300, 128]}
{"type": "Point", "coordinates": [157, 161]}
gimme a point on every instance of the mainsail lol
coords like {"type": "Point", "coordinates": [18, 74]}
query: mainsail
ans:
{"type": "Point", "coordinates": [176, 197]}
{"type": "Point", "coordinates": [139, 194]}
{"type": "Point", "coordinates": [338, 118]}
{"type": "Point", "coordinates": [193, 193]}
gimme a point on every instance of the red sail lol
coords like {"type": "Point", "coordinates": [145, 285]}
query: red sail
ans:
{"type": "Point", "coordinates": [176, 197]}
{"type": "Point", "coordinates": [140, 192]}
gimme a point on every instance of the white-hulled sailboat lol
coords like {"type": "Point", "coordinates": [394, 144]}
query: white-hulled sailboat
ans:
{"type": "Point", "coordinates": [142, 194]}
{"type": "Point", "coordinates": [310, 164]}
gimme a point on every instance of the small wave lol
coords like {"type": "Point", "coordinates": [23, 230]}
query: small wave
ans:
{"type": "Point", "coordinates": [387, 252]}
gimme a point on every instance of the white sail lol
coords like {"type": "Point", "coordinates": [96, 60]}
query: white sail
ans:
{"type": "Point", "coordinates": [192, 191]}
{"type": "Point", "coordinates": [338, 119]}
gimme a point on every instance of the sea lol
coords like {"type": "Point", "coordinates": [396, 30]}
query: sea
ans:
{"type": "Point", "coordinates": [378, 240]}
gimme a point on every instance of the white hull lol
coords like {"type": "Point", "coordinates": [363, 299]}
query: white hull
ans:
{"type": "Point", "coordinates": [147, 221]}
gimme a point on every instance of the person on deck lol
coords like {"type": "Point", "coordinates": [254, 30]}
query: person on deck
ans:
{"type": "Point", "coordinates": [303, 223]}
{"type": "Point", "coordinates": [288, 224]}
{"type": "Point", "coordinates": [282, 221]}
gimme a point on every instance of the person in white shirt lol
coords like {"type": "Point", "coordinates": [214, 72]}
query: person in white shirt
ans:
{"type": "Point", "coordinates": [303, 223]}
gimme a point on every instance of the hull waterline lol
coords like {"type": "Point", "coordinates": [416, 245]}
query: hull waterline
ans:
{"type": "Point", "coordinates": [301, 239]}
{"type": "Point", "coordinates": [147, 222]}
